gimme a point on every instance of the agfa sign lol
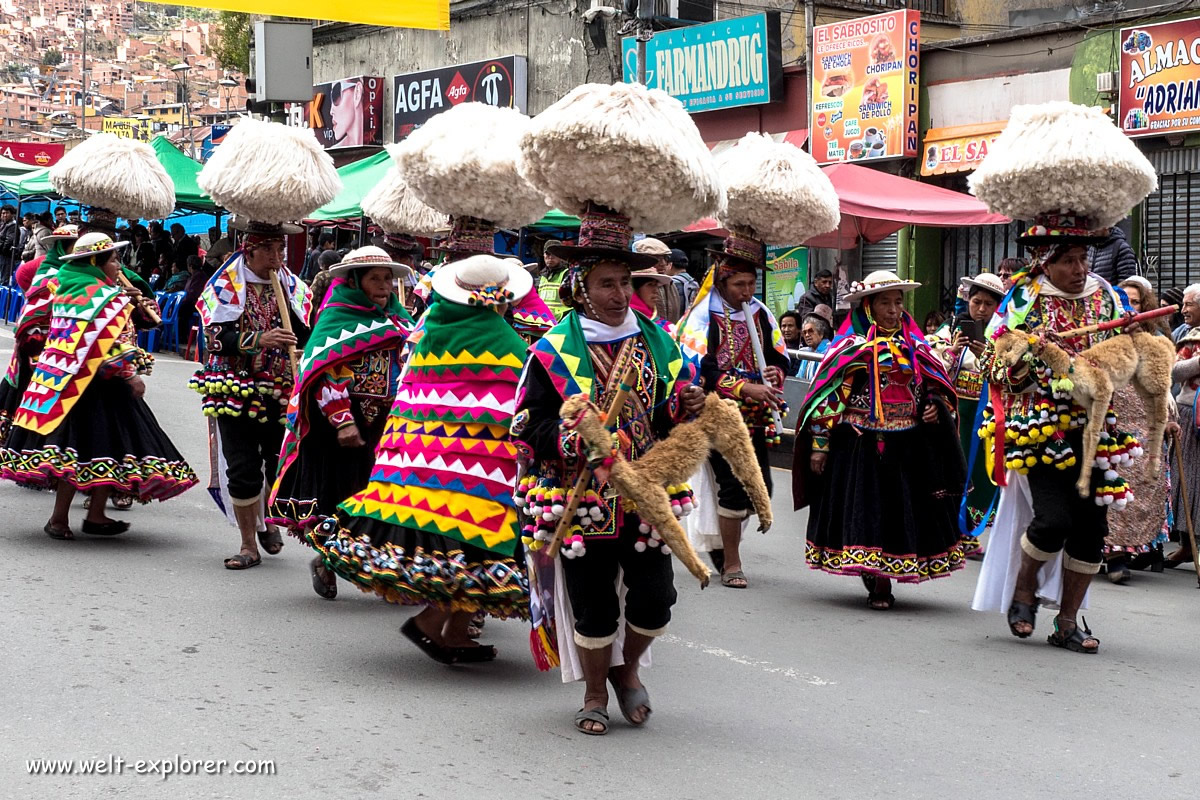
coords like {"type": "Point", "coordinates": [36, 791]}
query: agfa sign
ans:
{"type": "Point", "coordinates": [417, 96]}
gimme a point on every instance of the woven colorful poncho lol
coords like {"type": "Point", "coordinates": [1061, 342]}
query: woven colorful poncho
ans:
{"type": "Point", "coordinates": [349, 324]}
{"type": "Point", "coordinates": [88, 315]}
{"type": "Point", "coordinates": [224, 296]}
{"type": "Point", "coordinates": [445, 464]}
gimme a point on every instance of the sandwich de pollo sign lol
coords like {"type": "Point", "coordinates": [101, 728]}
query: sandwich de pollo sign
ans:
{"type": "Point", "coordinates": [1160, 78]}
{"type": "Point", "coordinates": [866, 83]}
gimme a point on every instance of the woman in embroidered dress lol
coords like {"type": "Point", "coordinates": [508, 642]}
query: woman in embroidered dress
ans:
{"type": "Point", "coordinates": [877, 455]}
{"type": "Point", "coordinates": [1142, 527]}
{"type": "Point", "coordinates": [647, 284]}
{"type": "Point", "coordinates": [960, 353]}
{"type": "Point", "coordinates": [82, 423]}
{"type": "Point", "coordinates": [436, 526]}
{"type": "Point", "coordinates": [337, 411]}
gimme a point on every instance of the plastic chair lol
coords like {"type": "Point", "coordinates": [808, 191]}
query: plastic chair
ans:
{"type": "Point", "coordinates": [5, 292]}
{"type": "Point", "coordinates": [16, 303]}
{"type": "Point", "coordinates": [170, 321]}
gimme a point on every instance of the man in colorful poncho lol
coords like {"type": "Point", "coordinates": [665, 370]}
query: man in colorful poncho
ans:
{"type": "Point", "coordinates": [248, 377]}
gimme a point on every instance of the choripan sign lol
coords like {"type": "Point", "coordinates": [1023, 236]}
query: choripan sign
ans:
{"type": "Point", "coordinates": [723, 64]}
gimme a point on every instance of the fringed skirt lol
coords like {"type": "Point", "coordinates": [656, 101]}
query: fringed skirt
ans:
{"type": "Point", "coordinates": [887, 504]}
{"type": "Point", "coordinates": [109, 439]}
{"type": "Point", "coordinates": [323, 474]}
{"type": "Point", "coordinates": [411, 567]}
{"type": "Point", "coordinates": [981, 492]}
{"type": "Point", "coordinates": [1142, 524]}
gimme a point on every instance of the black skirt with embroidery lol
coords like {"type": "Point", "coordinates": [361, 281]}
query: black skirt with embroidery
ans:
{"type": "Point", "coordinates": [887, 503]}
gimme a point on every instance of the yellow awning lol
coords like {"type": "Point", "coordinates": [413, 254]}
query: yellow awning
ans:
{"type": "Point", "coordinates": [958, 149]}
{"type": "Point", "coordinates": [427, 14]}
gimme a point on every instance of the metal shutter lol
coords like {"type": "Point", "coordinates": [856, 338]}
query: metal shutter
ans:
{"type": "Point", "coordinates": [881, 255]}
{"type": "Point", "coordinates": [1171, 231]}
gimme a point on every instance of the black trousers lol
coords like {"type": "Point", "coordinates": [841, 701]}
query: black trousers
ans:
{"type": "Point", "coordinates": [251, 450]}
{"type": "Point", "coordinates": [1062, 520]}
{"type": "Point", "coordinates": [730, 494]}
{"type": "Point", "coordinates": [592, 585]}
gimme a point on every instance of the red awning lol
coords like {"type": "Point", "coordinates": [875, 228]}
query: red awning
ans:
{"type": "Point", "coordinates": [877, 204]}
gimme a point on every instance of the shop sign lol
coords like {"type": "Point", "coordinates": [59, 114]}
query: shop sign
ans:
{"type": "Point", "coordinates": [1160, 78]}
{"type": "Point", "coordinates": [344, 113]}
{"type": "Point", "coordinates": [957, 154]}
{"type": "Point", "coordinates": [129, 128]}
{"type": "Point", "coordinates": [33, 154]}
{"type": "Point", "coordinates": [787, 268]}
{"type": "Point", "coordinates": [417, 96]}
{"type": "Point", "coordinates": [866, 83]}
{"type": "Point", "coordinates": [724, 64]}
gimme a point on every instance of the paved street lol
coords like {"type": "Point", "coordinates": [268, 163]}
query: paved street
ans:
{"type": "Point", "coordinates": [144, 647]}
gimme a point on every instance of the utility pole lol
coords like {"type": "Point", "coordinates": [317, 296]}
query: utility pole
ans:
{"type": "Point", "coordinates": [83, 78]}
{"type": "Point", "coordinates": [643, 12]}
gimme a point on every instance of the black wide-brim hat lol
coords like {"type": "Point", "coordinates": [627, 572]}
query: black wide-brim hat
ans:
{"type": "Point", "coordinates": [604, 235]}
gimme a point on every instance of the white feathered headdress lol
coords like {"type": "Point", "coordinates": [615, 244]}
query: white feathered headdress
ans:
{"type": "Point", "coordinates": [463, 162]}
{"type": "Point", "coordinates": [395, 207]}
{"type": "Point", "coordinates": [272, 173]}
{"type": "Point", "coordinates": [625, 147]}
{"type": "Point", "coordinates": [775, 192]}
{"type": "Point", "coordinates": [120, 175]}
{"type": "Point", "coordinates": [1062, 158]}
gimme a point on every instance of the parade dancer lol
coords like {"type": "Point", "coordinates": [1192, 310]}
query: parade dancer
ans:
{"type": "Point", "coordinates": [720, 331]}
{"type": "Point", "coordinates": [436, 525]}
{"type": "Point", "coordinates": [877, 458]}
{"type": "Point", "coordinates": [82, 423]}
{"type": "Point", "coordinates": [345, 388]}
{"type": "Point", "coordinates": [1047, 541]}
{"type": "Point", "coordinates": [254, 312]}
{"type": "Point", "coordinates": [583, 147]}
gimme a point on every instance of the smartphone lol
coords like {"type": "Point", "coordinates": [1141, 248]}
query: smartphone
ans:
{"type": "Point", "coordinates": [972, 329]}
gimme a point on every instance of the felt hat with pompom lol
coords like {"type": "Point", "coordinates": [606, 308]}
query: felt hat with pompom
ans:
{"type": "Point", "coordinates": [1067, 168]}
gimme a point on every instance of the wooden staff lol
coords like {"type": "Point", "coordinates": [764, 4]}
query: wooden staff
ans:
{"type": "Point", "coordinates": [285, 319]}
{"type": "Point", "coordinates": [141, 301]}
{"type": "Point", "coordinates": [585, 474]}
{"type": "Point", "coordinates": [1187, 508]}
{"type": "Point", "coordinates": [1112, 324]}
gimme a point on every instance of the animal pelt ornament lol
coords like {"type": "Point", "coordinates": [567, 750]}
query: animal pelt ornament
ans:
{"type": "Point", "coordinates": [1140, 359]}
{"type": "Point", "coordinates": [719, 426]}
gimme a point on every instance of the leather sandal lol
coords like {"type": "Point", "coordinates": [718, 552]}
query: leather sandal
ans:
{"type": "Point", "coordinates": [1022, 612]}
{"type": "Point", "coordinates": [440, 654]}
{"type": "Point", "coordinates": [326, 590]}
{"type": "Point", "coordinates": [591, 715]}
{"type": "Point", "coordinates": [1073, 640]}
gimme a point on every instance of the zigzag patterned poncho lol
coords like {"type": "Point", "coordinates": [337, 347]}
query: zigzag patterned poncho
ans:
{"type": "Point", "coordinates": [445, 464]}
{"type": "Point", "coordinates": [89, 313]}
{"type": "Point", "coordinates": [349, 324]}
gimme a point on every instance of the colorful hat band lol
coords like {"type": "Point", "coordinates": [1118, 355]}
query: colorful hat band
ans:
{"type": "Point", "coordinates": [603, 227]}
{"type": "Point", "coordinates": [95, 247]}
{"type": "Point", "coordinates": [471, 235]}
{"type": "Point", "coordinates": [1077, 225]}
{"type": "Point", "coordinates": [746, 248]}
{"type": "Point", "coordinates": [489, 294]}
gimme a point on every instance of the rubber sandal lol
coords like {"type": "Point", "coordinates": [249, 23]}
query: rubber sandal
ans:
{"type": "Point", "coordinates": [475, 629]}
{"type": "Point", "coordinates": [326, 590]}
{"type": "Point", "coordinates": [242, 561]}
{"type": "Point", "coordinates": [737, 574]}
{"type": "Point", "coordinates": [591, 715]}
{"type": "Point", "coordinates": [473, 655]}
{"type": "Point", "coordinates": [1074, 640]}
{"type": "Point", "coordinates": [630, 698]}
{"type": "Point", "coordinates": [1119, 573]}
{"type": "Point", "coordinates": [104, 528]}
{"type": "Point", "coordinates": [122, 502]}
{"type": "Point", "coordinates": [1022, 612]}
{"type": "Point", "coordinates": [886, 598]}
{"type": "Point", "coordinates": [58, 533]}
{"type": "Point", "coordinates": [271, 541]}
{"type": "Point", "coordinates": [442, 655]}
{"type": "Point", "coordinates": [718, 559]}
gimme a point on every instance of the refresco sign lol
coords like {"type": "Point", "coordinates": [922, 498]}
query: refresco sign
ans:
{"type": "Point", "coordinates": [724, 64]}
{"type": "Point", "coordinates": [417, 96]}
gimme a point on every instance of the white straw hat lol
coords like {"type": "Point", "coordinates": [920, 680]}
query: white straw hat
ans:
{"type": "Point", "coordinates": [366, 258]}
{"type": "Point", "coordinates": [93, 244]}
{"type": "Point", "coordinates": [482, 280]}
{"type": "Point", "coordinates": [881, 280]}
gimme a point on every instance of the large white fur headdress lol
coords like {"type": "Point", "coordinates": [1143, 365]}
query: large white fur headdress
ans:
{"type": "Point", "coordinates": [272, 173]}
{"type": "Point", "coordinates": [775, 192]}
{"type": "Point", "coordinates": [1062, 158]}
{"type": "Point", "coordinates": [625, 147]}
{"type": "Point", "coordinates": [463, 162]}
{"type": "Point", "coordinates": [395, 207]}
{"type": "Point", "coordinates": [120, 175]}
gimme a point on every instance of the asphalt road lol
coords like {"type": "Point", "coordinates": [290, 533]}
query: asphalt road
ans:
{"type": "Point", "coordinates": [142, 647]}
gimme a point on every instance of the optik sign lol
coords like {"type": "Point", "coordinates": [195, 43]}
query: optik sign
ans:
{"type": "Point", "coordinates": [723, 64]}
{"type": "Point", "coordinates": [417, 96]}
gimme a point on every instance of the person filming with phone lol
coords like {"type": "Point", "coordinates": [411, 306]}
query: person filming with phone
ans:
{"type": "Point", "coordinates": [959, 343]}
